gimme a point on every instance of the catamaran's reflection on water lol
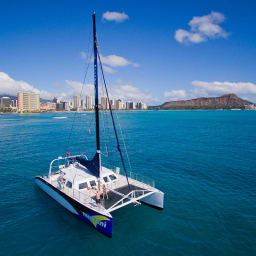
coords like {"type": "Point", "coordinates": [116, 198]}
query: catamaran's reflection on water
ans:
{"type": "Point", "coordinates": [73, 181]}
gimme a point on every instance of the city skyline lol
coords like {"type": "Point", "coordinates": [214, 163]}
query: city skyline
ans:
{"type": "Point", "coordinates": [178, 50]}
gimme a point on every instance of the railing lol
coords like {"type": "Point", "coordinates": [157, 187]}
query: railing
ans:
{"type": "Point", "coordinates": [131, 198]}
{"type": "Point", "coordinates": [74, 193]}
{"type": "Point", "coordinates": [61, 163]}
{"type": "Point", "coordinates": [140, 178]}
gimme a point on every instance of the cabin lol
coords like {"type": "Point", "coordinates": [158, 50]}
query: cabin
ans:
{"type": "Point", "coordinates": [78, 177]}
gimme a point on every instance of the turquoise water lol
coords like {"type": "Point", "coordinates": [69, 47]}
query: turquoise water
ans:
{"type": "Point", "coordinates": [204, 161]}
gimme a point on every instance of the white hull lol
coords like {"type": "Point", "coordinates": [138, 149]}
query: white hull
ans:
{"type": "Point", "coordinates": [56, 196]}
{"type": "Point", "coordinates": [156, 200]}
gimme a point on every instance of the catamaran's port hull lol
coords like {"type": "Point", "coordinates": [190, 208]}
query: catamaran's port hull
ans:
{"type": "Point", "coordinates": [155, 200]}
{"type": "Point", "coordinates": [99, 221]}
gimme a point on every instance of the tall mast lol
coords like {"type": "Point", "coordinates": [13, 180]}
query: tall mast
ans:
{"type": "Point", "coordinates": [96, 84]}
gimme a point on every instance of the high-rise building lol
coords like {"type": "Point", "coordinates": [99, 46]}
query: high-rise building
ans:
{"type": "Point", "coordinates": [141, 105]}
{"type": "Point", "coordinates": [14, 103]}
{"type": "Point", "coordinates": [66, 105]}
{"type": "Point", "coordinates": [77, 102]}
{"type": "Point", "coordinates": [28, 102]}
{"type": "Point", "coordinates": [144, 106]}
{"type": "Point", "coordinates": [88, 102]}
{"type": "Point", "coordinates": [60, 106]}
{"type": "Point", "coordinates": [83, 104]}
{"type": "Point", "coordinates": [5, 102]}
{"type": "Point", "coordinates": [104, 103]}
{"type": "Point", "coordinates": [55, 100]}
{"type": "Point", "coordinates": [63, 105]}
{"type": "Point", "coordinates": [132, 105]}
{"type": "Point", "coordinates": [51, 105]}
{"type": "Point", "coordinates": [119, 104]}
{"type": "Point", "coordinates": [112, 103]}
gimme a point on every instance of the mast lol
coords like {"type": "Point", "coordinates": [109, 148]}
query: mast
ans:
{"type": "Point", "coordinates": [94, 165]}
{"type": "Point", "coordinates": [96, 88]}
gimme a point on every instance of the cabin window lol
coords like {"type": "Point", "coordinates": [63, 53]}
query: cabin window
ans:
{"type": "Point", "coordinates": [69, 184]}
{"type": "Point", "coordinates": [93, 183]}
{"type": "Point", "coordinates": [105, 179]}
{"type": "Point", "coordinates": [112, 177]}
{"type": "Point", "coordinates": [83, 185]}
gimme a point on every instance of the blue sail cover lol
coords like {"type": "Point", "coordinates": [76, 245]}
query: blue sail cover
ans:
{"type": "Point", "coordinates": [92, 165]}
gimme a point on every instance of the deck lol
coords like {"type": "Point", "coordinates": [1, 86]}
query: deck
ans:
{"type": "Point", "coordinates": [116, 195]}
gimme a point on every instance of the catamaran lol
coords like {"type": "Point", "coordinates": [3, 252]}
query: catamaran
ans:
{"type": "Point", "coordinates": [74, 180]}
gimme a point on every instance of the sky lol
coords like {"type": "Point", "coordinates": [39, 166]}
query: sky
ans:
{"type": "Point", "coordinates": [152, 51]}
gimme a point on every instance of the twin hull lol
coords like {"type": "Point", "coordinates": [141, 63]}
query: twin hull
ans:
{"type": "Point", "coordinates": [101, 222]}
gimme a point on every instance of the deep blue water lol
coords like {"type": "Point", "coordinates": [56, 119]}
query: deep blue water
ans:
{"type": "Point", "coordinates": [204, 161]}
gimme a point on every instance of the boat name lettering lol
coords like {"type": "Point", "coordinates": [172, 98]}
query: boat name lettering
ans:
{"type": "Point", "coordinates": [97, 220]}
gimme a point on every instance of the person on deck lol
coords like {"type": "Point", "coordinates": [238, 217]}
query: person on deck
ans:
{"type": "Point", "coordinates": [98, 197]}
{"type": "Point", "coordinates": [105, 193]}
{"type": "Point", "coordinates": [99, 183]}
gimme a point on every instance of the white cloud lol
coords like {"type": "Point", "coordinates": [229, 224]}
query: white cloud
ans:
{"type": "Point", "coordinates": [124, 92]}
{"type": "Point", "coordinates": [202, 28]}
{"type": "Point", "coordinates": [183, 36]}
{"type": "Point", "coordinates": [77, 88]}
{"type": "Point", "coordinates": [130, 93]}
{"type": "Point", "coordinates": [12, 87]}
{"type": "Point", "coordinates": [119, 81]}
{"type": "Point", "coordinates": [117, 61]}
{"type": "Point", "coordinates": [176, 94]}
{"type": "Point", "coordinates": [217, 87]}
{"type": "Point", "coordinates": [109, 69]}
{"type": "Point", "coordinates": [112, 61]}
{"type": "Point", "coordinates": [115, 16]}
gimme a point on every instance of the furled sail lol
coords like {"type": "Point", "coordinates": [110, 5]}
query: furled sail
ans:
{"type": "Point", "coordinates": [92, 165]}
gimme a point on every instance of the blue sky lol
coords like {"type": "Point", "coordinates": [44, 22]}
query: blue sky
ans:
{"type": "Point", "coordinates": [42, 45]}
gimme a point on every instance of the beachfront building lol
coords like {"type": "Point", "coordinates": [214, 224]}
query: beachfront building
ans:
{"type": "Point", "coordinates": [88, 102]}
{"type": "Point", "coordinates": [119, 104]}
{"type": "Point", "coordinates": [5, 102]}
{"type": "Point", "coordinates": [48, 106]}
{"type": "Point", "coordinates": [250, 107]}
{"type": "Point", "coordinates": [14, 104]}
{"type": "Point", "coordinates": [127, 105]}
{"type": "Point", "coordinates": [63, 106]}
{"type": "Point", "coordinates": [77, 102]}
{"type": "Point", "coordinates": [60, 106]}
{"type": "Point", "coordinates": [112, 104]}
{"type": "Point", "coordinates": [104, 103]}
{"type": "Point", "coordinates": [55, 100]}
{"type": "Point", "coordinates": [132, 105]}
{"type": "Point", "coordinates": [83, 104]}
{"type": "Point", "coordinates": [66, 105]}
{"type": "Point", "coordinates": [51, 105]}
{"type": "Point", "coordinates": [28, 102]}
{"type": "Point", "coordinates": [141, 105]}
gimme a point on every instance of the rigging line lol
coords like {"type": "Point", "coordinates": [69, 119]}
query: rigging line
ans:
{"type": "Point", "coordinates": [104, 133]}
{"type": "Point", "coordinates": [114, 125]}
{"type": "Point", "coordinates": [88, 124]}
{"type": "Point", "coordinates": [102, 113]}
{"type": "Point", "coordinates": [87, 60]}
{"type": "Point", "coordinates": [125, 148]}
{"type": "Point", "coordinates": [86, 72]}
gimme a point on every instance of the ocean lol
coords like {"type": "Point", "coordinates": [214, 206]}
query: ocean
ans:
{"type": "Point", "coordinates": [204, 162]}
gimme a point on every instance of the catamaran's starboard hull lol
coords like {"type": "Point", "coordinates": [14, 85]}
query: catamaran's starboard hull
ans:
{"type": "Point", "coordinates": [155, 200]}
{"type": "Point", "coordinates": [100, 222]}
